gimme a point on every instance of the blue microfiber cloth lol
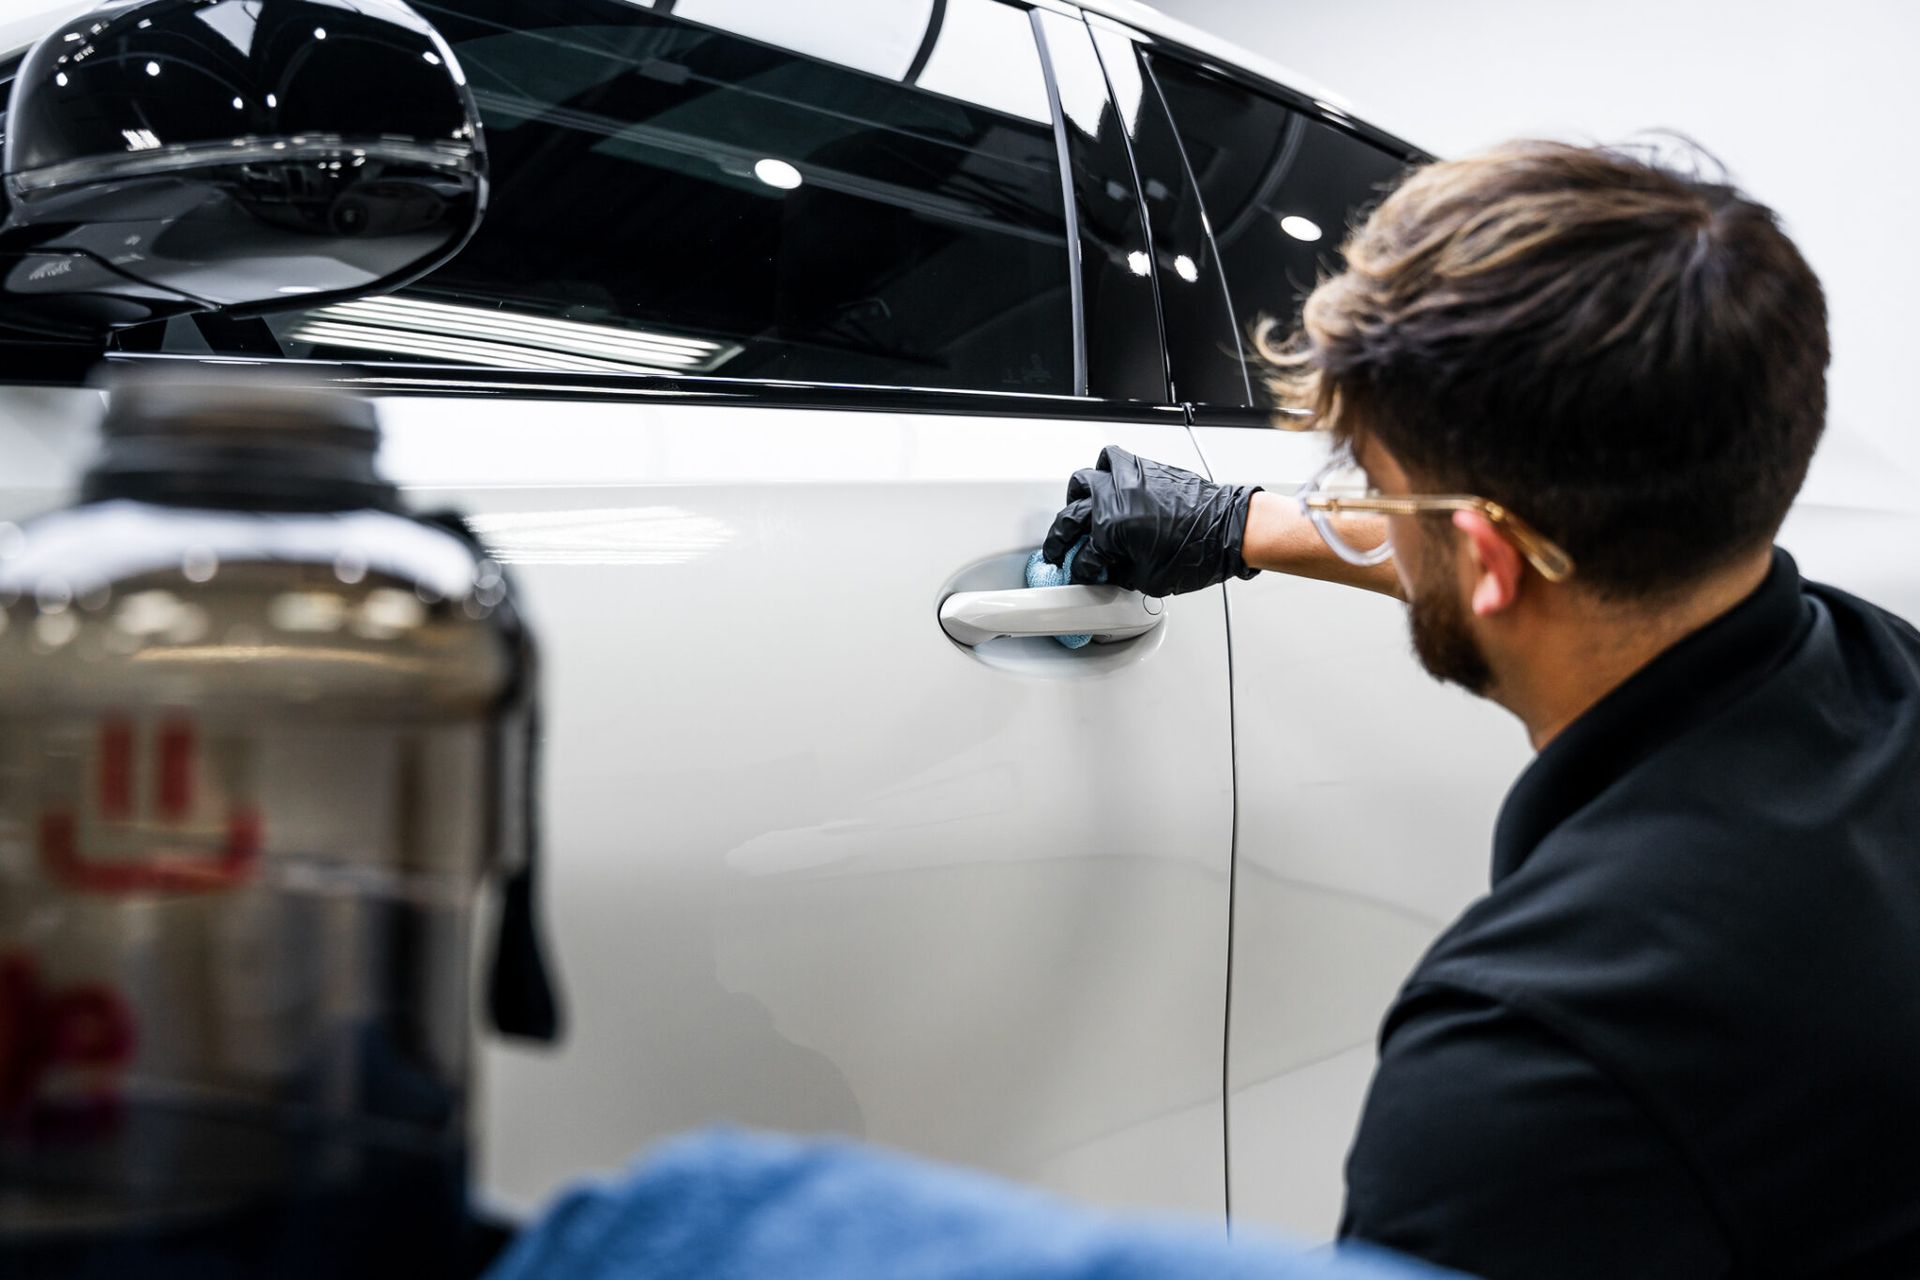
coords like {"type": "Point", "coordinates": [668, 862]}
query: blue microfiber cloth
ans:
{"type": "Point", "coordinates": [731, 1206]}
{"type": "Point", "coordinates": [1042, 574]}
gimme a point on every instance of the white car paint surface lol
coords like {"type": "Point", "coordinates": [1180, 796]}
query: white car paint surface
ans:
{"type": "Point", "coordinates": [814, 865]}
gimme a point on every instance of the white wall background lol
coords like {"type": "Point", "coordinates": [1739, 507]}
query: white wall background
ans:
{"type": "Point", "coordinates": [1812, 107]}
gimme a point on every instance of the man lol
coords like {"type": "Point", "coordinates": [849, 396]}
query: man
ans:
{"type": "Point", "coordinates": [1680, 1036]}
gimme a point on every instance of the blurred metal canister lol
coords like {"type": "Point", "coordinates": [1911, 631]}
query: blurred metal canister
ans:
{"type": "Point", "coordinates": [264, 741]}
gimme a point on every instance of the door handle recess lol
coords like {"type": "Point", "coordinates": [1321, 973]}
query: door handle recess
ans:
{"type": "Point", "coordinates": [1105, 613]}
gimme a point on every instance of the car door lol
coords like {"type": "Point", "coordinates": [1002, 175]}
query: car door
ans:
{"type": "Point", "coordinates": [771, 340]}
{"type": "Point", "coordinates": [1366, 791]}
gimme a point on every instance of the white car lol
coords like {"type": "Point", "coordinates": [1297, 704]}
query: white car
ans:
{"type": "Point", "coordinates": [785, 325]}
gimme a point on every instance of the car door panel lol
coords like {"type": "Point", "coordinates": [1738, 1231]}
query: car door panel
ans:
{"type": "Point", "coordinates": [814, 866]}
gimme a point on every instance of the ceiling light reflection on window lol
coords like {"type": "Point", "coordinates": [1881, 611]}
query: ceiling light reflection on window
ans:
{"type": "Point", "coordinates": [506, 339]}
{"type": "Point", "coordinates": [777, 173]}
{"type": "Point", "coordinates": [1184, 267]}
{"type": "Point", "coordinates": [1139, 263]}
{"type": "Point", "coordinates": [1300, 228]}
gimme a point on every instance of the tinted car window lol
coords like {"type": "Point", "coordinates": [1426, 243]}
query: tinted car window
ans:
{"type": "Point", "coordinates": [1203, 346]}
{"type": "Point", "coordinates": [675, 195]}
{"type": "Point", "coordinates": [1280, 188]}
{"type": "Point", "coordinates": [1125, 360]}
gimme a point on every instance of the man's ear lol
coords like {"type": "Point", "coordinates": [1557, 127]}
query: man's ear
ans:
{"type": "Point", "coordinates": [1497, 565]}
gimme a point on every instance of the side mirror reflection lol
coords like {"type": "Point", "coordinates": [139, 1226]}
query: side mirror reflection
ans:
{"type": "Point", "coordinates": [162, 159]}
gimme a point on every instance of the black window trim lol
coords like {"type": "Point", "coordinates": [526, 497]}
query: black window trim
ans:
{"type": "Point", "coordinates": [1146, 217]}
{"type": "Point", "coordinates": [1152, 81]}
{"type": "Point", "coordinates": [1069, 203]}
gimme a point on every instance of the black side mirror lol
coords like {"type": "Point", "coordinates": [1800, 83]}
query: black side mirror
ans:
{"type": "Point", "coordinates": [171, 156]}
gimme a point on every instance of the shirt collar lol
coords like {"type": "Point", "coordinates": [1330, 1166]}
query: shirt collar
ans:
{"type": "Point", "coordinates": [1683, 686]}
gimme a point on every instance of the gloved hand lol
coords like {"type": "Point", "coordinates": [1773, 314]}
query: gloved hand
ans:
{"type": "Point", "coordinates": [1152, 528]}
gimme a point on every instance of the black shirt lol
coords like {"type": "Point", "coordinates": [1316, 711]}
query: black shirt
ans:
{"type": "Point", "coordinates": [1681, 1034]}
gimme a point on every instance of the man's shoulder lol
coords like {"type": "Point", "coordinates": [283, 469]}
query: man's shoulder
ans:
{"type": "Point", "coordinates": [1622, 877]}
{"type": "Point", "coordinates": [1492, 1143]}
{"type": "Point", "coordinates": [1809, 779]}
{"type": "Point", "coordinates": [1733, 880]}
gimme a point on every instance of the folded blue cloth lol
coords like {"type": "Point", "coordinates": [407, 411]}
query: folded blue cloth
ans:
{"type": "Point", "coordinates": [1042, 574]}
{"type": "Point", "coordinates": [731, 1206]}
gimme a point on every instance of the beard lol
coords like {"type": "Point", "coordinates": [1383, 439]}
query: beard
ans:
{"type": "Point", "coordinates": [1443, 638]}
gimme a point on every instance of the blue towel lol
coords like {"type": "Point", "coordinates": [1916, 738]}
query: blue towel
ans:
{"type": "Point", "coordinates": [731, 1206]}
{"type": "Point", "coordinates": [1042, 574]}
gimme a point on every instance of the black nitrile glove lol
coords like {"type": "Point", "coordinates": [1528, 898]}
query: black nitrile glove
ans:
{"type": "Point", "coordinates": [1150, 527]}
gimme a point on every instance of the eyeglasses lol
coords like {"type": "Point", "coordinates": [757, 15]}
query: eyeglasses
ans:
{"type": "Point", "coordinates": [1341, 489]}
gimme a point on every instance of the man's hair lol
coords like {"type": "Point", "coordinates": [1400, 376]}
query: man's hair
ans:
{"type": "Point", "coordinates": [1630, 356]}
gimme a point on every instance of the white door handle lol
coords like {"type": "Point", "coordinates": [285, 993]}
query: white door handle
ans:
{"type": "Point", "coordinates": [1105, 613]}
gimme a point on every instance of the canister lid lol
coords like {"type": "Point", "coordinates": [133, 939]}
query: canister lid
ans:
{"type": "Point", "coordinates": [247, 437]}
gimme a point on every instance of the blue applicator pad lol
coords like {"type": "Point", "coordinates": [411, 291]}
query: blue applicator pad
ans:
{"type": "Point", "coordinates": [1042, 574]}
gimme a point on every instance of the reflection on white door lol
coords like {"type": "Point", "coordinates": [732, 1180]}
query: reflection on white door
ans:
{"type": "Point", "coordinates": [813, 865]}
